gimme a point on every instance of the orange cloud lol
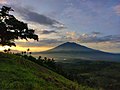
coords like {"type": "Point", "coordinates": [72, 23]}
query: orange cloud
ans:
{"type": "Point", "coordinates": [33, 49]}
{"type": "Point", "coordinates": [117, 9]}
{"type": "Point", "coordinates": [3, 1]}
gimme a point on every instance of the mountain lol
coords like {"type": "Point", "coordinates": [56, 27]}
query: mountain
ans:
{"type": "Point", "coordinates": [17, 73]}
{"type": "Point", "coordinates": [69, 46]}
{"type": "Point", "coordinates": [71, 50]}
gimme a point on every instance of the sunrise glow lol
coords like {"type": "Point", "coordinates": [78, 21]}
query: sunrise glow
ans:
{"type": "Point", "coordinates": [32, 49]}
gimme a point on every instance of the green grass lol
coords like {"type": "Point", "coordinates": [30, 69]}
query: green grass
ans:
{"type": "Point", "coordinates": [17, 73]}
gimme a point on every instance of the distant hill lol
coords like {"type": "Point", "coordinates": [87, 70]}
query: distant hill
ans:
{"type": "Point", "coordinates": [17, 73]}
{"type": "Point", "coordinates": [71, 50]}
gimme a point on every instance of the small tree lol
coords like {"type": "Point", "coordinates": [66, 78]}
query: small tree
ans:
{"type": "Point", "coordinates": [24, 52]}
{"type": "Point", "coordinates": [40, 57]}
{"type": "Point", "coordinates": [11, 28]}
{"type": "Point", "coordinates": [5, 50]}
{"type": "Point", "coordinates": [9, 50]}
{"type": "Point", "coordinates": [28, 51]}
{"type": "Point", "coordinates": [45, 58]}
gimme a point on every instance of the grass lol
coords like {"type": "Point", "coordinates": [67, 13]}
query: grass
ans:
{"type": "Point", "coordinates": [17, 73]}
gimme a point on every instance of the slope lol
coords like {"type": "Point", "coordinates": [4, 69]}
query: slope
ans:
{"type": "Point", "coordinates": [21, 74]}
{"type": "Point", "coordinates": [70, 46]}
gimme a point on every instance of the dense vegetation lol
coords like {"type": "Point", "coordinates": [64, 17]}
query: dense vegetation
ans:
{"type": "Point", "coordinates": [18, 73]}
{"type": "Point", "coordinates": [97, 74]}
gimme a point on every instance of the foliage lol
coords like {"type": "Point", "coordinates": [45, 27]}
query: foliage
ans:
{"type": "Point", "coordinates": [97, 74]}
{"type": "Point", "coordinates": [11, 28]}
{"type": "Point", "coordinates": [46, 62]}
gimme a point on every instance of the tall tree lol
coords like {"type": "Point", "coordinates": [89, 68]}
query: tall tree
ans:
{"type": "Point", "coordinates": [11, 28]}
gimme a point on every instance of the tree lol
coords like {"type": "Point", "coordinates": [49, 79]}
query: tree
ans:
{"type": "Point", "coordinates": [9, 50]}
{"type": "Point", "coordinates": [5, 50]}
{"type": "Point", "coordinates": [24, 52]}
{"type": "Point", "coordinates": [40, 57]}
{"type": "Point", "coordinates": [12, 29]}
{"type": "Point", "coordinates": [45, 58]}
{"type": "Point", "coordinates": [28, 51]}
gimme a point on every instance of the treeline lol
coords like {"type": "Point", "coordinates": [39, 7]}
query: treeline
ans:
{"type": "Point", "coordinates": [97, 74]}
{"type": "Point", "coordinates": [44, 61]}
{"type": "Point", "coordinates": [49, 63]}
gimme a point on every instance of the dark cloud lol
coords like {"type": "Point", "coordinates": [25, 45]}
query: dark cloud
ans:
{"type": "Point", "coordinates": [51, 41]}
{"type": "Point", "coordinates": [29, 14]}
{"type": "Point", "coordinates": [41, 19]}
{"type": "Point", "coordinates": [44, 42]}
{"type": "Point", "coordinates": [48, 32]}
{"type": "Point", "coordinates": [95, 39]}
{"type": "Point", "coordinates": [96, 33]}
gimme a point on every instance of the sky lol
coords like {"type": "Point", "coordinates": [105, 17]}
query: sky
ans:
{"type": "Point", "coordinates": [93, 23]}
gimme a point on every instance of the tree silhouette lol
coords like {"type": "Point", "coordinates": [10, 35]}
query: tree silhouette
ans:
{"type": "Point", "coordinates": [9, 50]}
{"type": "Point", "coordinates": [24, 52]}
{"type": "Point", "coordinates": [30, 53]}
{"type": "Point", "coordinates": [28, 49]}
{"type": "Point", "coordinates": [11, 28]}
{"type": "Point", "coordinates": [45, 58]}
{"type": "Point", "coordinates": [5, 50]}
{"type": "Point", "coordinates": [40, 57]}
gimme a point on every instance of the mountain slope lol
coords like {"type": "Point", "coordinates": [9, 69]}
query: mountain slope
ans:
{"type": "Point", "coordinates": [17, 73]}
{"type": "Point", "coordinates": [71, 50]}
{"type": "Point", "coordinates": [70, 46]}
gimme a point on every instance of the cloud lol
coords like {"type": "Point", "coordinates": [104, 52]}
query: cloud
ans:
{"type": "Point", "coordinates": [117, 9]}
{"type": "Point", "coordinates": [48, 32]}
{"type": "Point", "coordinates": [93, 37]}
{"type": "Point", "coordinates": [87, 38]}
{"type": "Point", "coordinates": [44, 42]}
{"type": "Point", "coordinates": [97, 33]}
{"type": "Point", "coordinates": [3, 1]}
{"type": "Point", "coordinates": [51, 41]}
{"type": "Point", "coordinates": [59, 26]}
{"type": "Point", "coordinates": [41, 19]}
{"type": "Point", "coordinates": [29, 14]}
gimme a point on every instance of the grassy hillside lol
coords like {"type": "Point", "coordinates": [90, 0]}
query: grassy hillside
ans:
{"type": "Point", "coordinates": [21, 74]}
